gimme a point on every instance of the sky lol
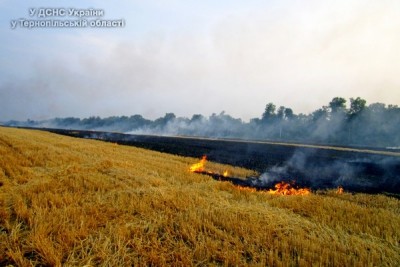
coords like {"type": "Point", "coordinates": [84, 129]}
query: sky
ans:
{"type": "Point", "coordinates": [198, 57]}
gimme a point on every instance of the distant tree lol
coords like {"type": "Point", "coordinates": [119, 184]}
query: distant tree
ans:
{"type": "Point", "coordinates": [355, 120]}
{"type": "Point", "coordinates": [137, 122]}
{"type": "Point", "coordinates": [320, 114]}
{"type": "Point", "coordinates": [255, 121]}
{"type": "Point", "coordinates": [357, 105]}
{"type": "Point", "coordinates": [269, 112]}
{"type": "Point", "coordinates": [377, 107]}
{"type": "Point", "coordinates": [289, 113]}
{"type": "Point", "coordinates": [161, 122]}
{"type": "Point", "coordinates": [92, 122]}
{"type": "Point", "coordinates": [136, 117]}
{"type": "Point", "coordinates": [197, 117]}
{"type": "Point", "coordinates": [30, 122]}
{"type": "Point", "coordinates": [338, 104]}
{"type": "Point", "coordinates": [281, 113]}
{"type": "Point", "coordinates": [66, 122]}
{"type": "Point", "coordinates": [393, 124]}
{"type": "Point", "coordinates": [169, 116]}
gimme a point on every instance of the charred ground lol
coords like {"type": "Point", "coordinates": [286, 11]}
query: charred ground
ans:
{"type": "Point", "coordinates": [357, 169]}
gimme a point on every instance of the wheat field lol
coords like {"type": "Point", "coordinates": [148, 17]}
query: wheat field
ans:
{"type": "Point", "coordinates": [75, 202]}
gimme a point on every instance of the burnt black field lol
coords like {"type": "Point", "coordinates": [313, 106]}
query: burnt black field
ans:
{"type": "Point", "coordinates": [314, 167]}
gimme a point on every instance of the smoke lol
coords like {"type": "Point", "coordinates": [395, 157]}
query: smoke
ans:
{"type": "Point", "coordinates": [218, 126]}
{"type": "Point", "coordinates": [363, 174]}
{"type": "Point", "coordinates": [273, 175]}
{"type": "Point", "coordinates": [205, 56]}
{"type": "Point", "coordinates": [374, 126]}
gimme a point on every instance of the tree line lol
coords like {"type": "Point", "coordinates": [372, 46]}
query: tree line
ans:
{"type": "Point", "coordinates": [339, 122]}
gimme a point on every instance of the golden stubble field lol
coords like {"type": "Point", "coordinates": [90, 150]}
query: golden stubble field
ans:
{"type": "Point", "coordinates": [75, 202]}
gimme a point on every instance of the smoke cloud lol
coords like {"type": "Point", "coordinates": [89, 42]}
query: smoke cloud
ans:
{"type": "Point", "coordinates": [365, 174]}
{"type": "Point", "coordinates": [201, 58]}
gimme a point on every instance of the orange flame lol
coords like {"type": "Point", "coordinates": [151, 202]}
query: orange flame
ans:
{"type": "Point", "coordinates": [283, 188]}
{"type": "Point", "coordinates": [340, 190]}
{"type": "Point", "coordinates": [199, 167]}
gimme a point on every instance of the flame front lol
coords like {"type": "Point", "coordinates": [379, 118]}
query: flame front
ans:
{"type": "Point", "coordinates": [199, 167]}
{"type": "Point", "coordinates": [339, 190]}
{"type": "Point", "coordinates": [283, 188]}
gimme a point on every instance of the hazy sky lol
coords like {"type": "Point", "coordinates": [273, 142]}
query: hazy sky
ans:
{"type": "Point", "coordinates": [190, 57]}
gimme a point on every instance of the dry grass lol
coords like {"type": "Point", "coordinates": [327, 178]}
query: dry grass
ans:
{"type": "Point", "coordinates": [74, 202]}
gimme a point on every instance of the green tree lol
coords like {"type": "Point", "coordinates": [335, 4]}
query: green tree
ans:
{"type": "Point", "coordinates": [281, 113]}
{"type": "Point", "coordinates": [338, 104]}
{"type": "Point", "coordinates": [357, 106]}
{"type": "Point", "coordinates": [377, 107]}
{"type": "Point", "coordinates": [322, 113]}
{"type": "Point", "coordinates": [269, 112]}
{"type": "Point", "coordinates": [289, 113]}
{"type": "Point", "coordinates": [164, 120]}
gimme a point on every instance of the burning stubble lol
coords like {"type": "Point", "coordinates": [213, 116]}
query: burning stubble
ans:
{"type": "Point", "coordinates": [281, 188]}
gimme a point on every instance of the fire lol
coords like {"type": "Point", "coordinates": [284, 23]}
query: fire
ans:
{"type": "Point", "coordinates": [340, 190]}
{"type": "Point", "coordinates": [283, 188]}
{"type": "Point", "coordinates": [199, 167]}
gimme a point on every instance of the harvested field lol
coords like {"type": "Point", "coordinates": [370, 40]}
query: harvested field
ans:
{"type": "Point", "coordinates": [69, 201]}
